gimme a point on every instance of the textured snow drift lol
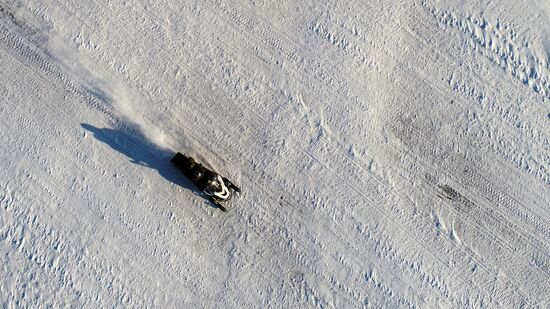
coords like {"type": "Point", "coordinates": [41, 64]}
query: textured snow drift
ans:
{"type": "Point", "coordinates": [392, 154]}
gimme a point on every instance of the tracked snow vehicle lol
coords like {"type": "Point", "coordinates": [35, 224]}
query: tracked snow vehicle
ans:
{"type": "Point", "coordinates": [218, 188]}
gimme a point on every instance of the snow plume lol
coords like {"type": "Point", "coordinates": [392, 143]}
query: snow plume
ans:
{"type": "Point", "coordinates": [125, 105]}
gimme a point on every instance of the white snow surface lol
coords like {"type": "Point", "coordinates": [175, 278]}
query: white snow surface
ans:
{"type": "Point", "coordinates": [391, 154]}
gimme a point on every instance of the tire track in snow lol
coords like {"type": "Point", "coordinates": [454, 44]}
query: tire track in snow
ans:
{"type": "Point", "coordinates": [501, 197]}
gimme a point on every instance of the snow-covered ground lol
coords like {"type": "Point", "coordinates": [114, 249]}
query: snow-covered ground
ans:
{"type": "Point", "coordinates": [392, 154]}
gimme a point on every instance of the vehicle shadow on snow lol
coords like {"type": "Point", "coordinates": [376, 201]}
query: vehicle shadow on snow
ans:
{"type": "Point", "coordinates": [141, 151]}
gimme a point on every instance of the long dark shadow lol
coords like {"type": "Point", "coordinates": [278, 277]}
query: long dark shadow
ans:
{"type": "Point", "coordinates": [141, 151]}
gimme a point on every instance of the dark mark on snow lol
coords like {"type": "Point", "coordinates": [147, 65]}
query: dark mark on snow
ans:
{"type": "Point", "coordinates": [449, 193]}
{"type": "Point", "coordinates": [8, 13]}
{"type": "Point", "coordinates": [459, 201]}
{"type": "Point", "coordinates": [34, 34]}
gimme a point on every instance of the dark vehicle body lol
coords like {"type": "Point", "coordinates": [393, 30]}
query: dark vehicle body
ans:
{"type": "Point", "coordinates": [218, 188]}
